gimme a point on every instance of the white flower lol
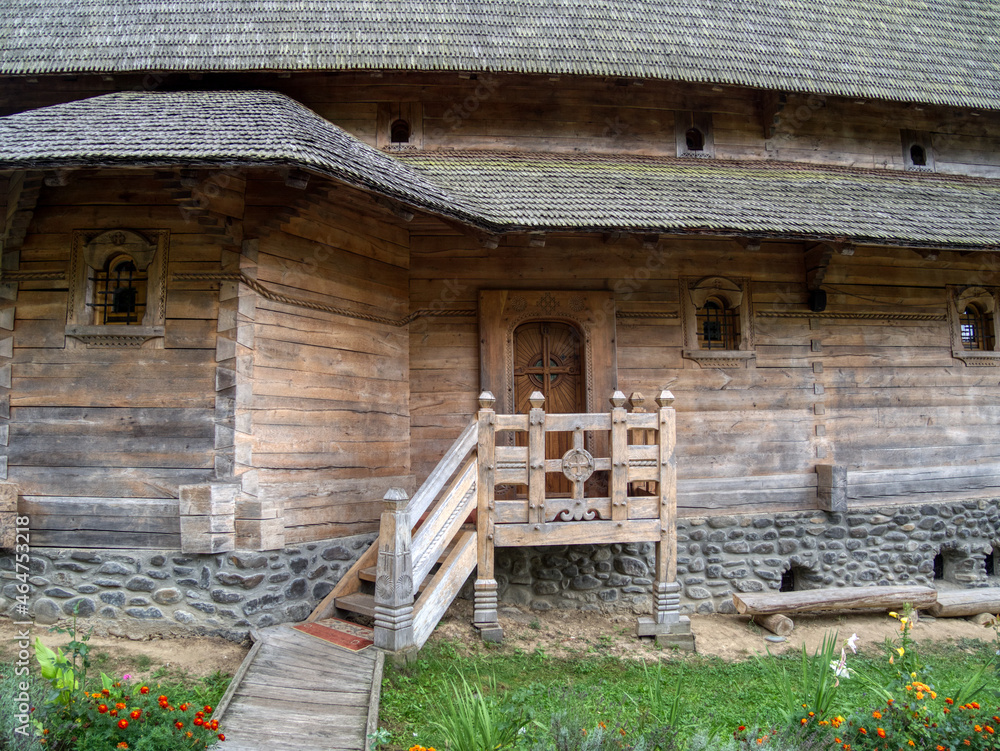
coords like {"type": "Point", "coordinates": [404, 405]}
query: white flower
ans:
{"type": "Point", "coordinates": [839, 667]}
{"type": "Point", "coordinates": [852, 643]}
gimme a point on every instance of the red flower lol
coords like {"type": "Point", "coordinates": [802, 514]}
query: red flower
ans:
{"type": "Point", "coordinates": [162, 699]}
{"type": "Point", "coordinates": [144, 690]}
{"type": "Point", "coordinates": [123, 723]}
{"type": "Point", "coordinates": [136, 714]}
{"type": "Point", "coordinates": [184, 707]}
{"type": "Point", "coordinates": [119, 705]}
{"type": "Point", "coordinates": [113, 713]}
{"type": "Point", "coordinates": [881, 733]}
{"type": "Point", "coordinates": [949, 701]}
{"type": "Point", "coordinates": [178, 724]}
{"type": "Point", "coordinates": [102, 708]}
{"type": "Point", "coordinates": [208, 709]}
{"type": "Point", "coordinates": [222, 736]}
{"type": "Point", "coordinates": [198, 721]}
{"type": "Point", "coordinates": [215, 726]}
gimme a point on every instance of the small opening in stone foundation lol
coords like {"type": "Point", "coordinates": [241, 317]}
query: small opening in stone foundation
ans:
{"type": "Point", "coordinates": [939, 567]}
{"type": "Point", "coordinates": [787, 581]}
{"type": "Point", "coordinates": [989, 563]}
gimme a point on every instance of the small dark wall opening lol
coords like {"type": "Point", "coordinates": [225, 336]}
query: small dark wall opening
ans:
{"type": "Point", "coordinates": [787, 581]}
{"type": "Point", "coordinates": [695, 139]}
{"type": "Point", "coordinates": [939, 567]}
{"type": "Point", "coordinates": [989, 563]}
{"type": "Point", "coordinates": [918, 156]}
{"type": "Point", "coordinates": [399, 131]}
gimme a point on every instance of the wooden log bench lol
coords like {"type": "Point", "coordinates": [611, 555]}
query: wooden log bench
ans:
{"type": "Point", "coordinates": [960, 603]}
{"type": "Point", "coordinates": [770, 604]}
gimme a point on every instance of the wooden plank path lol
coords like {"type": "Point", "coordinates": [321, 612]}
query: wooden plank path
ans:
{"type": "Point", "coordinates": [295, 692]}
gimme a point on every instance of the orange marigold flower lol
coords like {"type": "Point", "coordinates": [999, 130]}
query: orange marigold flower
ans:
{"type": "Point", "coordinates": [974, 704]}
{"type": "Point", "coordinates": [144, 690]}
{"type": "Point", "coordinates": [113, 713]}
{"type": "Point", "coordinates": [989, 730]}
{"type": "Point", "coordinates": [620, 730]}
{"type": "Point", "coordinates": [123, 723]}
{"type": "Point", "coordinates": [741, 728]}
{"type": "Point", "coordinates": [978, 728]}
{"type": "Point", "coordinates": [760, 741]}
{"type": "Point", "coordinates": [189, 734]}
{"type": "Point", "coordinates": [967, 742]}
{"type": "Point", "coordinates": [199, 721]}
{"type": "Point", "coordinates": [862, 731]}
{"type": "Point", "coordinates": [102, 708]}
{"type": "Point", "coordinates": [920, 695]}
{"type": "Point", "coordinates": [222, 736]}
{"type": "Point", "coordinates": [105, 692]}
{"type": "Point", "coordinates": [803, 721]}
{"type": "Point", "coordinates": [123, 744]}
{"type": "Point", "coordinates": [215, 726]}
{"type": "Point", "coordinates": [178, 724]}
{"type": "Point", "coordinates": [939, 747]}
{"type": "Point", "coordinates": [881, 733]}
{"type": "Point", "coordinates": [877, 715]}
{"type": "Point", "coordinates": [136, 714]}
{"type": "Point", "coordinates": [162, 698]}
{"type": "Point", "coordinates": [184, 707]}
{"type": "Point", "coordinates": [601, 725]}
{"type": "Point", "coordinates": [119, 705]}
{"type": "Point", "coordinates": [910, 743]}
{"type": "Point", "coordinates": [208, 709]}
{"type": "Point", "coordinates": [949, 700]}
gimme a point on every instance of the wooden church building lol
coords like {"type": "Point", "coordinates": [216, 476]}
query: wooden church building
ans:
{"type": "Point", "coordinates": [619, 304]}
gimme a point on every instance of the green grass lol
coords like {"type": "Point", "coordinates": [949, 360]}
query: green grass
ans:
{"type": "Point", "coordinates": [718, 696]}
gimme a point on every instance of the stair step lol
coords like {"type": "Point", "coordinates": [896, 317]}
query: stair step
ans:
{"type": "Point", "coordinates": [357, 602]}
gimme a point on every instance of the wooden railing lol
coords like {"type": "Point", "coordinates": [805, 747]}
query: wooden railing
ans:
{"type": "Point", "coordinates": [629, 494]}
{"type": "Point", "coordinates": [621, 472]}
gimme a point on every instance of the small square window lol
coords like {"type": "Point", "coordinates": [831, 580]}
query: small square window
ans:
{"type": "Point", "coordinates": [973, 317]}
{"type": "Point", "coordinates": [718, 322]}
{"type": "Point", "coordinates": [694, 135]}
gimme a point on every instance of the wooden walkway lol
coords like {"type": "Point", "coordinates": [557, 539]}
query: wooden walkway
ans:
{"type": "Point", "coordinates": [295, 692]}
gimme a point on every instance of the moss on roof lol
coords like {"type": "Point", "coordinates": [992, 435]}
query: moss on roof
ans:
{"type": "Point", "coordinates": [515, 191]}
{"type": "Point", "coordinates": [932, 51]}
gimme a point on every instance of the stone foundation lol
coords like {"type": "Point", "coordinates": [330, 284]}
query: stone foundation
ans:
{"type": "Point", "coordinates": [146, 593]}
{"type": "Point", "coordinates": [720, 555]}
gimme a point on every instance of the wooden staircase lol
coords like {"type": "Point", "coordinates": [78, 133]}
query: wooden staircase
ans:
{"type": "Point", "coordinates": [423, 556]}
{"type": "Point", "coordinates": [426, 550]}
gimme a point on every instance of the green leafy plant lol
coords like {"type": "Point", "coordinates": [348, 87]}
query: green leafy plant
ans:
{"type": "Point", "coordinates": [472, 721]}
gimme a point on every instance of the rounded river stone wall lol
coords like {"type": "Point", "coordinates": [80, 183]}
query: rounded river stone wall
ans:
{"type": "Point", "coordinates": [720, 555]}
{"type": "Point", "coordinates": [145, 593]}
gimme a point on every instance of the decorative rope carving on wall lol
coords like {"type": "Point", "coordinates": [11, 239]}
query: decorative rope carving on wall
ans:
{"type": "Point", "coordinates": [268, 294]}
{"type": "Point", "coordinates": [854, 316]}
{"type": "Point", "coordinates": [32, 276]}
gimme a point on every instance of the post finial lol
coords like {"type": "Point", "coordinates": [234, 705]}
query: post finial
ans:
{"type": "Point", "coordinates": [537, 399]}
{"type": "Point", "coordinates": [637, 400]}
{"type": "Point", "coordinates": [665, 398]}
{"type": "Point", "coordinates": [395, 498]}
{"type": "Point", "coordinates": [617, 399]}
{"type": "Point", "coordinates": [487, 400]}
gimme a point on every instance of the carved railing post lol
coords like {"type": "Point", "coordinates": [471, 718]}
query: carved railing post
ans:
{"type": "Point", "coordinates": [394, 587]}
{"type": "Point", "coordinates": [667, 588]}
{"type": "Point", "coordinates": [667, 624]}
{"type": "Point", "coordinates": [536, 459]}
{"type": "Point", "coordinates": [485, 612]}
{"type": "Point", "coordinates": [619, 458]}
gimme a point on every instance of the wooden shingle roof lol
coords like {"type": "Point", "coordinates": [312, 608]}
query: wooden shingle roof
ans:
{"type": "Point", "coordinates": [512, 192]}
{"type": "Point", "coordinates": [931, 51]}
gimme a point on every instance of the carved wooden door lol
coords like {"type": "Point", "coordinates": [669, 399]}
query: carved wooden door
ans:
{"type": "Point", "coordinates": [548, 358]}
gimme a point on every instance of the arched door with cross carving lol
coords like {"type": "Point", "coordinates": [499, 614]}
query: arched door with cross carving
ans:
{"type": "Point", "coordinates": [548, 357]}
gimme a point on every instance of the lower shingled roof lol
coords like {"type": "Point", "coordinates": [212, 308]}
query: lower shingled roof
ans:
{"type": "Point", "coordinates": [507, 192]}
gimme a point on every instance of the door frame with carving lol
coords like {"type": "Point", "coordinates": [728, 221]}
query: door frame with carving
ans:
{"type": "Point", "coordinates": [591, 312]}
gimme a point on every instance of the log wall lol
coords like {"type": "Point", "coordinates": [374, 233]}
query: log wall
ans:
{"type": "Point", "coordinates": [570, 114]}
{"type": "Point", "coordinates": [100, 438]}
{"type": "Point", "coordinates": [330, 391]}
{"type": "Point", "coordinates": [876, 392]}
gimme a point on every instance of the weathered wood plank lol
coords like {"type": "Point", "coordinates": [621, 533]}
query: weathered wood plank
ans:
{"type": "Point", "coordinates": [847, 598]}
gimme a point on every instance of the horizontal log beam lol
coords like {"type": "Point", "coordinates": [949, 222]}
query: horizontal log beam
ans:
{"type": "Point", "coordinates": [965, 602]}
{"type": "Point", "coordinates": [848, 598]}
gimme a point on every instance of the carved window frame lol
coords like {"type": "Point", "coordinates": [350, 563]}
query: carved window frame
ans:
{"type": "Point", "coordinates": [702, 121]}
{"type": "Point", "coordinates": [92, 249]}
{"type": "Point", "coordinates": [987, 299]}
{"type": "Point", "coordinates": [735, 292]}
